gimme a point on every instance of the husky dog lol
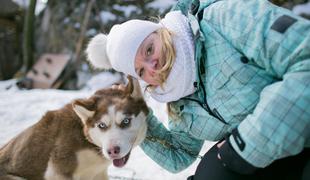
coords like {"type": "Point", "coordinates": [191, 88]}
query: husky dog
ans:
{"type": "Point", "coordinates": [80, 140]}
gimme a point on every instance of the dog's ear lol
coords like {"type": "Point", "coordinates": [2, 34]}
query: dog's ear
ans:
{"type": "Point", "coordinates": [84, 108]}
{"type": "Point", "coordinates": [129, 87]}
{"type": "Point", "coordinates": [133, 88]}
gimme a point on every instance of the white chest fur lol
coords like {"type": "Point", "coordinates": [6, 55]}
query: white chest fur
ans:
{"type": "Point", "coordinates": [91, 166]}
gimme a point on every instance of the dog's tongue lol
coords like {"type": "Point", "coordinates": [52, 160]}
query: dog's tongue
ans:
{"type": "Point", "coordinates": [120, 162]}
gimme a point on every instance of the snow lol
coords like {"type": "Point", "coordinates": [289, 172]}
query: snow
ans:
{"type": "Point", "coordinates": [41, 4]}
{"type": "Point", "coordinates": [161, 4]}
{"type": "Point", "coordinates": [91, 32]}
{"type": "Point", "coordinates": [127, 9]}
{"type": "Point", "coordinates": [20, 109]}
{"type": "Point", "coordinates": [107, 16]}
{"type": "Point", "coordinates": [302, 9]}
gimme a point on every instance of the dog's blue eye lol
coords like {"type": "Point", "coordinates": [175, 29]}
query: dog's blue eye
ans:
{"type": "Point", "coordinates": [126, 121]}
{"type": "Point", "coordinates": [102, 125]}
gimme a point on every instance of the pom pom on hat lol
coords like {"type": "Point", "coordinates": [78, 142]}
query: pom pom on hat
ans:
{"type": "Point", "coordinates": [97, 52]}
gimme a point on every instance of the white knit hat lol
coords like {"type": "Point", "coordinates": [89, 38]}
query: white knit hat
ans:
{"type": "Point", "coordinates": [118, 49]}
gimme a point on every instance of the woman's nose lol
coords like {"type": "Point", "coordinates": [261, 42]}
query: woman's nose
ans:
{"type": "Point", "coordinates": [151, 66]}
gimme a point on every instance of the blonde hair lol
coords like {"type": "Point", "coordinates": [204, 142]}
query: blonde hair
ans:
{"type": "Point", "coordinates": [167, 56]}
{"type": "Point", "coordinates": [166, 61]}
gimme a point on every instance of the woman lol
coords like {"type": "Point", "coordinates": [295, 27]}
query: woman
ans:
{"type": "Point", "coordinates": [235, 71]}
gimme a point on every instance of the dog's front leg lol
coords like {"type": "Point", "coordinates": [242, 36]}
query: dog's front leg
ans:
{"type": "Point", "coordinates": [101, 176]}
{"type": "Point", "coordinates": [92, 175]}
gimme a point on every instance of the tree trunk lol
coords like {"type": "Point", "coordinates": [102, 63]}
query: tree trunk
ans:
{"type": "Point", "coordinates": [28, 42]}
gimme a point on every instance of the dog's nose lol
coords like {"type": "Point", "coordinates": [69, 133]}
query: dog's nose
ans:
{"type": "Point", "coordinates": [115, 150]}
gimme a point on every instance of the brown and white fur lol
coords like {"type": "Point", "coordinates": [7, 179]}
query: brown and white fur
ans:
{"type": "Point", "coordinates": [80, 140]}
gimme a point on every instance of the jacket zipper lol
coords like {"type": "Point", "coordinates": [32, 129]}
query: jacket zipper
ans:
{"type": "Point", "coordinates": [205, 104]}
{"type": "Point", "coordinates": [206, 107]}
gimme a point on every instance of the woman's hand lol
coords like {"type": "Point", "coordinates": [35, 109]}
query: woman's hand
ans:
{"type": "Point", "coordinates": [119, 86]}
{"type": "Point", "coordinates": [219, 145]}
{"type": "Point", "coordinates": [229, 158]}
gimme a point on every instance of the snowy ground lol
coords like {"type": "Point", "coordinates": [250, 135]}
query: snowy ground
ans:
{"type": "Point", "coordinates": [21, 108]}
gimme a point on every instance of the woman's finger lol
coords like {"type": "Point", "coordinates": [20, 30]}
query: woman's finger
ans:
{"type": "Point", "coordinates": [114, 86]}
{"type": "Point", "coordinates": [121, 87]}
{"type": "Point", "coordinates": [220, 144]}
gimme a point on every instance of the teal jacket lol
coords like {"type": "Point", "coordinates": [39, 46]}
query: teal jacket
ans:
{"type": "Point", "coordinates": [253, 85]}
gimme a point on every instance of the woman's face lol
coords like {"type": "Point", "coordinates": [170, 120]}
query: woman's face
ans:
{"type": "Point", "coordinates": [148, 59]}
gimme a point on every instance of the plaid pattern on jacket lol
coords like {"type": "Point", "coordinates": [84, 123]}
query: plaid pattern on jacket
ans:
{"type": "Point", "coordinates": [254, 76]}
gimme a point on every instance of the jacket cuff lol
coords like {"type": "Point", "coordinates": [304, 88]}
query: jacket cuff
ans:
{"type": "Point", "coordinates": [232, 160]}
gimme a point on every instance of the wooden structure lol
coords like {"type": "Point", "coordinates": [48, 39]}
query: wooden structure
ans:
{"type": "Point", "coordinates": [46, 72]}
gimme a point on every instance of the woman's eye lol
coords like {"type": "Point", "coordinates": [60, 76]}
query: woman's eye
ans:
{"type": "Point", "coordinates": [149, 50]}
{"type": "Point", "coordinates": [102, 125]}
{"type": "Point", "coordinates": [141, 72]}
{"type": "Point", "coordinates": [125, 123]}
